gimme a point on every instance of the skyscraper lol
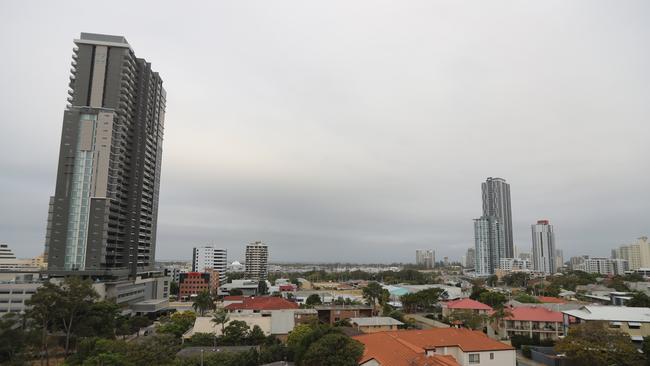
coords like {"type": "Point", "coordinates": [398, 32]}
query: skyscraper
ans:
{"type": "Point", "coordinates": [103, 215]}
{"type": "Point", "coordinates": [489, 244]}
{"type": "Point", "coordinates": [496, 202]}
{"type": "Point", "coordinates": [470, 258]}
{"type": "Point", "coordinates": [205, 258]}
{"type": "Point", "coordinates": [257, 256]}
{"type": "Point", "coordinates": [543, 247]}
{"type": "Point", "coordinates": [425, 258]}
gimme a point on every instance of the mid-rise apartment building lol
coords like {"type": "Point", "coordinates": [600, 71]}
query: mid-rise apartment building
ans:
{"type": "Point", "coordinates": [515, 265]}
{"type": "Point", "coordinates": [602, 265]}
{"type": "Point", "coordinates": [257, 256]}
{"type": "Point", "coordinates": [637, 254]}
{"type": "Point", "coordinates": [208, 257]}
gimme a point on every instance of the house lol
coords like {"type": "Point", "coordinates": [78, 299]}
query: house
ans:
{"type": "Point", "coordinates": [633, 321]}
{"type": "Point", "coordinates": [467, 304]}
{"type": "Point", "coordinates": [435, 346]}
{"type": "Point", "coordinates": [551, 300]}
{"type": "Point", "coordinates": [330, 314]}
{"type": "Point", "coordinates": [256, 304]}
{"type": "Point", "coordinates": [533, 322]}
{"type": "Point", "coordinates": [375, 324]}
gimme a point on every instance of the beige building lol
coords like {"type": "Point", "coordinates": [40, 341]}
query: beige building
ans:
{"type": "Point", "coordinates": [633, 321]}
{"type": "Point", "coordinates": [636, 254]}
{"type": "Point", "coordinates": [375, 324]}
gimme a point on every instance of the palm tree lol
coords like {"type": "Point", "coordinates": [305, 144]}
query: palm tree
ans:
{"type": "Point", "coordinates": [500, 313]}
{"type": "Point", "coordinates": [220, 317]}
{"type": "Point", "coordinates": [203, 302]}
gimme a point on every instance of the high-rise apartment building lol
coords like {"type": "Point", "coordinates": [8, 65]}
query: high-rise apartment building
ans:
{"type": "Point", "coordinates": [636, 254]}
{"type": "Point", "coordinates": [257, 256]}
{"type": "Point", "coordinates": [103, 215]}
{"type": "Point", "coordinates": [543, 247]}
{"type": "Point", "coordinates": [489, 245]}
{"type": "Point", "coordinates": [425, 258]}
{"type": "Point", "coordinates": [207, 258]}
{"type": "Point", "coordinates": [559, 259]}
{"type": "Point", "coordinates": [470, 258]}
{"type": "Point", "coordinates": [496, 202]}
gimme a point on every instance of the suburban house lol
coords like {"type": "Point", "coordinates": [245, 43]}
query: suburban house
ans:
{"type": "Point", "coordinates": [256, 304]}
{"type": "Point", "coordinates": [435, 346]}
{"type": "Point", "coordinates": [633, 321]}
{"type": "Point", "coordinates": [533, 322]}
{"type": "Point", "coordinates": [330, 314]}
{"type": "Point", "coordinates": [467, 304]}
{"type": "Point", "coordinates": [375, 324]}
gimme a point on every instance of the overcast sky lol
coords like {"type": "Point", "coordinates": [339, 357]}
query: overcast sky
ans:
{"type": "Point", "coordinates": [353, 130]}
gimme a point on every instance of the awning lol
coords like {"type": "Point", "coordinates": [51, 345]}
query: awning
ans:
{"type": "Point", "coordinates": [637, 338]}
{"type": "Point", "coordinates": [634, 324]}
{"type": "Point", "coordinates": [615, 323]}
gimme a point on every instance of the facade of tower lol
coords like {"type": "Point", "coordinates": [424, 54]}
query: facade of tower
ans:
{"type": "Point", "coordinates": [206, 258]}
{"type": "Point", "coordinates": [257, 256]}
{"type": "Point", "coordinates": [425, 258]}
{"type": "Point", "coordinates": [103, 215]}
{"type": "Point", "coordinates": [496, 202]}
{"type": "Point", "coordinates": [489, 245]}
{"type": "Point", "coordinates": [544, 252]}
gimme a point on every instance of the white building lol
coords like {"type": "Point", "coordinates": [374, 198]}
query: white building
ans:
{"type": "Point", "coordinates": [637, 254]}
{"type": "Point", "coordinates": [470, 258]}
{"type": "Point", "coordinates": [425, 258]}
{"type": "Point", "coordinates": [602, 265]}
{"type": "Point", "coordinates": [515, 264]}
{"type": "Point", "coordinates": [236, 267]}
{"type": "Point", "coordinates": [8, 260]}
{"type": "Point", "coordinates": [209, 257]}
{"type": "Point", "coordinates": [543, 247]}
{"type": "Point", "coordinates": [257, 256]}
{"type": "Point", "coordinates": [559, 259]}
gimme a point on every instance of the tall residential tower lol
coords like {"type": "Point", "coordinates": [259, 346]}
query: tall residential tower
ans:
{"type": "Point", "coordinates": [496, 202]}
{"type": "Point", "coordinates": [489, 245]}
{"type": "Point", "coordinates": [205, 258]}
{"type": "Point", "coordinates": [102, 217]}
{"type": "Point", "coordinates": [544, 252]}
{"type": "Point", "coordinates": [425, 258]}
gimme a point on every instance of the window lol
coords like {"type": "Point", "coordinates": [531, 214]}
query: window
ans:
{"type": "Point", "coordinates": [474, 358]}
{"type": "Point", "coordinates": [491, 355]}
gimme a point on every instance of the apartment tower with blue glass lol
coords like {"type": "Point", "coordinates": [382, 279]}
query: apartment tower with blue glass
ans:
{"type": "Point", "coordinates": [103, 215]}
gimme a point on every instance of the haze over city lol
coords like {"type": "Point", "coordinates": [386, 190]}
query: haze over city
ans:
{"type": "Point", "coordinates": [355, 131]}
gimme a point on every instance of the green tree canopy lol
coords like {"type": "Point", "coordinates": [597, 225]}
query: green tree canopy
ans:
{"type": "Point", "coordinates": [203, 302]}
{"type": "Point", "coordinates": [334, 349]}
{"type": "Point", "coordinates": [313, 299]}
{"type": "Point", "coordinates": [639, 300]}
{"type": "Point", "coordinates": [595, 344]}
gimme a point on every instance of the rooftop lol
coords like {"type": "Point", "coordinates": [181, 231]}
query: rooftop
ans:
{"type": "Point", "coordinates": [467, 340]}
{"type": "Point", "coordinates": [377, 320]}
{"type": "Point", "coordinates": [466, 303]}
{"type": "Point", "coordinates": [551, 300]}
{"type": "Point", "coordinates": [389, 350]}
{"type": "Point", "coordinates": [611, 313]}
{"type": "Point", "coordinates": [534, 313]}
{"type": "Point", "coordinates": [263, 303]}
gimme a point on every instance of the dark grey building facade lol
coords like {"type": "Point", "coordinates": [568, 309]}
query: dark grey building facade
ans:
{"type": "Point", "coordinates": [103, 215]}
{"type": "Point", "coordinates": [496, 203]}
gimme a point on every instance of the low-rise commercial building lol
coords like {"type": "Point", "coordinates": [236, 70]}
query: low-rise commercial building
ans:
{"type": "Point", "coordinates": [375, 324]}
{"type": "Point", "coordinates": [436, 346]}
{"type": "Point", "coordinates": [633, 321]}
{"type": "Point", "coordinates": [330, 314]}
{"type": "Point", "coordinates": [247, 287]}
{"type": "Point", "coordinates": [193, 283]}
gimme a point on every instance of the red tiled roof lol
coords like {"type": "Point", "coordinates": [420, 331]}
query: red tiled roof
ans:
{"type": "Point", "coordinates": [467, 304]}
{"type": "Point", "coordinates": [551, 300]}
{"type": "Point", "coordinates": [467, 340]}
{"type": "Point", "coordinates": [263, 303]}
{"type": "Point", "coordinates": [233, 298]}
{"type": "Point", "coordinates": [535, 313]}
{"type": "Point", "coordinates": [388, 349]}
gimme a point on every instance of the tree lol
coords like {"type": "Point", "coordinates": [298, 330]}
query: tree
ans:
{"type": "Point", "coordinates": [492, 280]}
{"type": "Point", "coordinates": [469, 318]}
{"type": "Point", "coordinates": [235, 332]}
{"type": "Point", "coordinates": [202, 340]}
{"type": "Point", "coordinates": [422, 300]}
{"type": "Point", "coordinates": [173, 288]}
{"type": "Point", "coordinates": [256, 335]}
{"type": "Point", "coordinates": [178, 324]}
{"type": "Point", "coordinates": [313, 299]}
{"type": "Point", "coordinates": [374, 293]}
{"type": "Point", "coordinates": [595, 344]}
{"type": "Point", "coordinates": [100, 320]}
{"type": "Point", "coordinates": [77, 295]}
{"type": "Point", "coordinates": [525, 298]}
{"type": "Point", "coordinates": [262, 288]}
{"type": "Point", "coordinates": [159, 349]}
{"type": "Point", "coordinates": [45, 312]}
{"type": "Point", "coordinates": [500, 313]}
{"type": "Point", "coordinates": [220, 317]}
{"type": "Point", "coordinates": [639, 300]}
{"type": "Point", "coordinates": [516, 279]}
{"type": "Point", "coordinates": [12, 337]}
{"type": "Point", "coordinates": [493, 299]}
{"type": "Point", "coordinates": [334, 349]}
{"type": "Point", "coordinates": [203, 302]}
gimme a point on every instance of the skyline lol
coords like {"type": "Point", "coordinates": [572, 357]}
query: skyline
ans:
{"type": "Point", "coordinates": [351, 151]}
